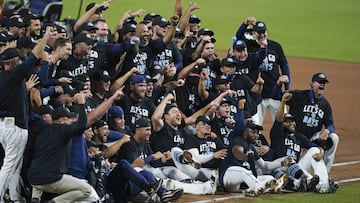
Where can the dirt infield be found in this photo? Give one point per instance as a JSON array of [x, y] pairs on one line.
[[343, 95]]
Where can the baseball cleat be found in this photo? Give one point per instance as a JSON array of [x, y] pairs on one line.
[[171, 195], [280, 183], [313, 183], [153, 188]]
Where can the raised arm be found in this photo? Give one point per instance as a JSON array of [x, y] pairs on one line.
[[156, 118], [280, 113], [87, 15], [119, 83]]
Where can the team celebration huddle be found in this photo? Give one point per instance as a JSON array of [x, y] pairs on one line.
[[148, 111]]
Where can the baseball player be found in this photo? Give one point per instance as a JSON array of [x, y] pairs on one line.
[[204, 149], [14, 114], [313, 112], [239, 166], [286, 141]]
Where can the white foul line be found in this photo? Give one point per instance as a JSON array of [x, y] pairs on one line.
[[346, 163]]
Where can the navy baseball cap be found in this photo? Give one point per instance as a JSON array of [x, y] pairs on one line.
[[205, 31], [44, 109], [239, 45], [9, 53], [221, 79], [204, 119], [160, 21], [25, 42], [150, 16], [320, 78], [194, 19], [116, 112], [129, 27], [102, 75], [225, 101], [260, 27], [288, 117], [136, 79], [99, 123], [83, 37], [142, 123], [252, 125], [16, 22], [87, 27], [228, 62], [62, 111]]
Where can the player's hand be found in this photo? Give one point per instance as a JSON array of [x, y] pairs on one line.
[[260, 80], [221, 154], [193, 6], [262, 150], [139, 162], [125, 138], [282, 79], [263, 42], [79, 98], [230, 121], [118, 94], [318, 156], [241, 103], [174, 20], [157, 155], [286, 96], [324, 134], [250, 20], [287, 161], [65, 80], [32, 81]]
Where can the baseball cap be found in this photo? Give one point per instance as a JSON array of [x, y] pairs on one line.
[[9, 53], [83, 37], [225, 101], [320, 78], [205, 31], [116, 112], [194, 19], [142, 123], [16, 22], [288, 117], [92, 5], [62, 111], [204, 119], [25, 42], [150, 79], [160, 21], [128, 28], [259, 27], [88, 26], [99, 123], [44, 109], [239, 45], [228, 62], [252, 125], [220, 79], [150, 16], [68, 89], [179, 33], [135, 79], [102, 75]]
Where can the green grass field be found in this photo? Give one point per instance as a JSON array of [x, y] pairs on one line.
[[323, 29], [345, 194]]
